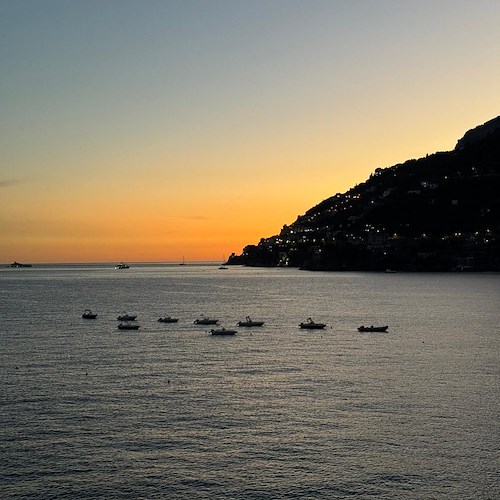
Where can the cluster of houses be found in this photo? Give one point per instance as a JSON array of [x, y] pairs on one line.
[[383, 222]]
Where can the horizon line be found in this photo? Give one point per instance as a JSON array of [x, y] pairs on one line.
[[176, 262]]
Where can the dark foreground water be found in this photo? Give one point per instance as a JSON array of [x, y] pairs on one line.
[[169, 411]]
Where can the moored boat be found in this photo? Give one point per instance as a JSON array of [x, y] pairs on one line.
[[88, 314], [168, 319], [126, 317], [250, 322], [311, 325], [372, 328], [206, 321], [223, 331], [223, 266], [128, 326]]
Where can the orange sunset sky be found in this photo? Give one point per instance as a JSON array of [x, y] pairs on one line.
[[152, 131]]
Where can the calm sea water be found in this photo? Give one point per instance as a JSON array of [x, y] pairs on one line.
[[169, 411]]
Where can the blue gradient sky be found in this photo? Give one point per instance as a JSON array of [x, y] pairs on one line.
[[148, 130]]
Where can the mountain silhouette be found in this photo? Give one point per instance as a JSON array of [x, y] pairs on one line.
[[438, 213]]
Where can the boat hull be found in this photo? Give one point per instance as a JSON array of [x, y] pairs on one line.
[[126, 317], [250, 323], [128, 327], [223, 332], [88, 314], [312, 326], [206, 321], [373, 328], [168, 320]]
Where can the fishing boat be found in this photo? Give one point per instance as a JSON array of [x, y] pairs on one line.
[[88, 314], [128, 326], [206, 321], [250, 322], [372, 328], [311, 325], [223, 331], [122, 265], [168, 319], [126, 317]]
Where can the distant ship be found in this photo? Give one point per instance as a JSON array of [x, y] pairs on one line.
[[18, 264], [122, 265], [222, 266]]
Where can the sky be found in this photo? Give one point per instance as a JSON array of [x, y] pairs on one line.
[[157, 130]]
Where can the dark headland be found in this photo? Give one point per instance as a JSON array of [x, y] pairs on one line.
[[438, 213]]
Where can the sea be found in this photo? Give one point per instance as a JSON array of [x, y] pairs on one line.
[[273, 412]]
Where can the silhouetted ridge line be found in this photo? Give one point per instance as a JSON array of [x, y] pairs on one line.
[[479, 133], [438, 213]]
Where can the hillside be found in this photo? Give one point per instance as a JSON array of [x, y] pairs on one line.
[[438, 213]]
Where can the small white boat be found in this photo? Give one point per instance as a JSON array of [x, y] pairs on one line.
[[168, 319], [126, 317], [311, 325], [122, 265], [250, 322], [206, 321], [223, 331], [88, 314]]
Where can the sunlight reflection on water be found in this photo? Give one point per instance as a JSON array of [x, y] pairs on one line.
[[274, 412]]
